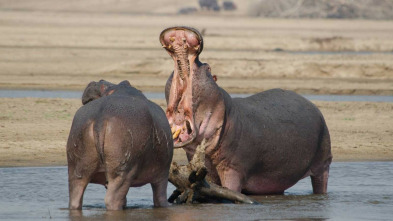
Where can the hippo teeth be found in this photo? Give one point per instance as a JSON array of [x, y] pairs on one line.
[[176, 134], [184, 45]]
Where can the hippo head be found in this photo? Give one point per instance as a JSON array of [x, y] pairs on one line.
[[195, 107], [95, 90]]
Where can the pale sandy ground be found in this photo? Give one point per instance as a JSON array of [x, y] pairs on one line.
[[34, 131], [66, 44], [55, 44]]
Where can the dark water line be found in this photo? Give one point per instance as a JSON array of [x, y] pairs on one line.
[[159, 95]]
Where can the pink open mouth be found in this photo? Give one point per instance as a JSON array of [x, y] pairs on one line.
[[183, 134], [184, 45]]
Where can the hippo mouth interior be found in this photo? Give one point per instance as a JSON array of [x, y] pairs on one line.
[[184, 134], [184, 45]]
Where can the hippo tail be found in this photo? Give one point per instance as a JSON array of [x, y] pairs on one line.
[[324, 142], [99, 137]]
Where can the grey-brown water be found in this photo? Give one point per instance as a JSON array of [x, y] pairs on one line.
[[357, 191], [160, 95]]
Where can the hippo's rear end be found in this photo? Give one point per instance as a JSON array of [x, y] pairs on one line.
[[287, 140], [119, 141]]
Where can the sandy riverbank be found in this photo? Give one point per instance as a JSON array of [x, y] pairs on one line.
[[65, 45], [54, 45], [34, 131]]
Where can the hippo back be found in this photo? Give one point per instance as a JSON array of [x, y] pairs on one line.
[[135, 126], [279, 135]]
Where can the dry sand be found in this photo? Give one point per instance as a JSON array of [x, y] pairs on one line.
[[55, 44], [34, 131], [58, 45]]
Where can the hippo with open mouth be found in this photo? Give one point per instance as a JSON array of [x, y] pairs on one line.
[[262, 144]]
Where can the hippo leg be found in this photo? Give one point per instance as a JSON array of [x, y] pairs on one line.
[[115, 197], [80, 172], [159, 193], [76, 190], [319, 183], [320, 167], [79, 176], [231, 179], [319, 177]]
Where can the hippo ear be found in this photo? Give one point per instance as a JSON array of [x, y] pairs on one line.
[[103, 88], [109, 92], [107, 88], [90, 93], [125, 83]]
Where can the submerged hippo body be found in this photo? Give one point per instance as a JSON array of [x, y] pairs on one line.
[[120, 140], [262, 144]]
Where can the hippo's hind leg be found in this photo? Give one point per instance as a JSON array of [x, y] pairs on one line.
[[76, 186], [118, 175], [321, 165], [319, 182], [159, 193], [83, 163], [118, 186], [79, 175]]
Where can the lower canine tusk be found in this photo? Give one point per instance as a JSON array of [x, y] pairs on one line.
[[176, 134]]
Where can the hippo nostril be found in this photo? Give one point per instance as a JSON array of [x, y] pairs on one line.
[[188, 126]]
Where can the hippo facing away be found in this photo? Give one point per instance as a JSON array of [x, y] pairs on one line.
[[119, 139], [262, 144]]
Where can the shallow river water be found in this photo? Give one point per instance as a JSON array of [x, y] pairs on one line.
[[357, 191], [160, 95]]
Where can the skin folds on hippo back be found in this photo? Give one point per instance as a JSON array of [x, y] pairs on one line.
[[275, 139], [138, 122], [120, 140]]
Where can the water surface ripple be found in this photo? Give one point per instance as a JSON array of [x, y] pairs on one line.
[[357, 191]]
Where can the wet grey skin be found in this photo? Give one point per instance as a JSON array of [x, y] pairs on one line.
[[119, 139], [262, 144]]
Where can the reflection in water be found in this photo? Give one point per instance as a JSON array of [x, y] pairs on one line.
[[356, 191]]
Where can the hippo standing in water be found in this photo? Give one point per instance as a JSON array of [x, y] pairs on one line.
[[262, 144], [120, 140]]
